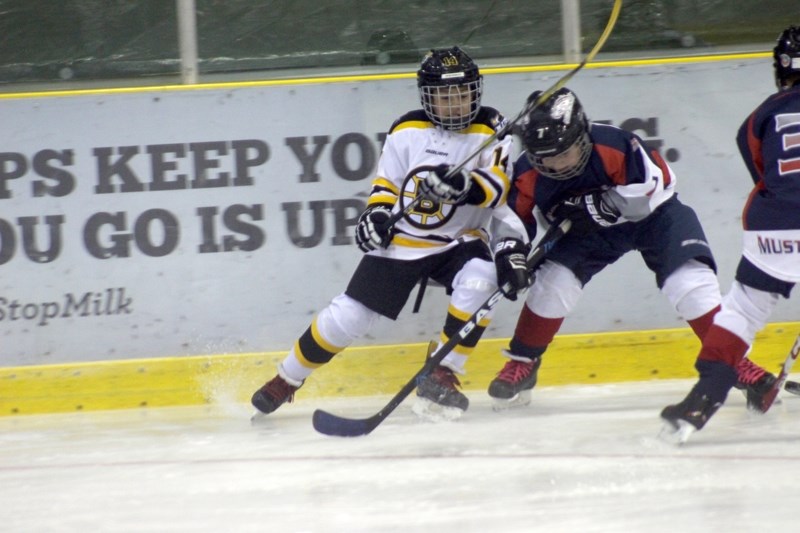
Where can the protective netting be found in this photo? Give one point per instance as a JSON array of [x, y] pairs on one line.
[[103, 39]]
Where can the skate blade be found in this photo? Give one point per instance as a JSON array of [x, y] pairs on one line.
[[521, 399], [258, 418], [676, 435], [433, 412]]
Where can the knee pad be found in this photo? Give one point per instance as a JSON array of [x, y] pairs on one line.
[[693, 289], [344, 320], [473, 285], [555, 291]]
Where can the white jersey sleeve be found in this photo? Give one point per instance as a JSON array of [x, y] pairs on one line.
[[635, 201], [414, 146], [505, 224]]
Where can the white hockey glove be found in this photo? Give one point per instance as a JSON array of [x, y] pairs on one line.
[[370, 231], [511, 262], [588, 213], [450, 190]]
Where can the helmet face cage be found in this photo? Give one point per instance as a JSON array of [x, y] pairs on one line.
[[450, 88], [787, 57], [585, 150], [553, 128]]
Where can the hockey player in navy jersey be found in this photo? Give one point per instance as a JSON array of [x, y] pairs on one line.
[[769, 143], [444, 238], [620, 197]]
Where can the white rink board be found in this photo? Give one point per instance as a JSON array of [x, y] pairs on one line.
[[182, 222]]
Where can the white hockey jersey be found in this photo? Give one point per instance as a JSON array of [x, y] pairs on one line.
[[413, 147]]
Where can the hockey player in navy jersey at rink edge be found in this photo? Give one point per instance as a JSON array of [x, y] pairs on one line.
[[444, 238], [769, 143], [620, 197]]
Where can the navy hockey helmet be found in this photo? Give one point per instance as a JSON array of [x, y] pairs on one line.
[[450, 88], [787, 57], [553, 128]]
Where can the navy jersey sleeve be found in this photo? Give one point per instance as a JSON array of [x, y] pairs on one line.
[[521, 195], [769, 143]]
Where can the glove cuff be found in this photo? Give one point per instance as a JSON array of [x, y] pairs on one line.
[[509, 245]]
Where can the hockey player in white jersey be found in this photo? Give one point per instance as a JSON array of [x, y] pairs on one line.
[[444, 237]]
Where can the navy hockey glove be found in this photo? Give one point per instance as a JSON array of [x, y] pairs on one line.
[[511, 262], [370, 231], [588, 213], [438, 187]]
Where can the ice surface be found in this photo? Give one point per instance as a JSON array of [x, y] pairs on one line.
[[579, 458]]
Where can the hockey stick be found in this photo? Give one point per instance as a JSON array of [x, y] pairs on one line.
[[769, 398], [530, 106], [334, 425], [792, 387]]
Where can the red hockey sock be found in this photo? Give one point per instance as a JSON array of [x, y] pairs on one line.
[[701, 324], [535, 330], [719, 344]]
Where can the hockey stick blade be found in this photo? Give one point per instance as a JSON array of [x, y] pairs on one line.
[[335, 426], [792, 387], [769, 398], [339, 426], [505, 130]]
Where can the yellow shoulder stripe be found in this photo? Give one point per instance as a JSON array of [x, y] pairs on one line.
[[417, 124]]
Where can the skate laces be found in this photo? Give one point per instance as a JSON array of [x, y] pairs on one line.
[[445, 377], [515, 371], [748, 372], [280, 390]]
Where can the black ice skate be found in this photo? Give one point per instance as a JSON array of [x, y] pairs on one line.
[[690, 415], [438, 397], [513, 384], [756, 383], [274, 393]]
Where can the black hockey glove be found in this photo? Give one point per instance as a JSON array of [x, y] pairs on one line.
[[370, 233], [511, 262], [588, 213], [450, 190]]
